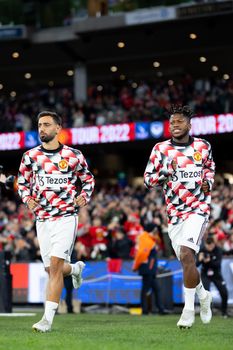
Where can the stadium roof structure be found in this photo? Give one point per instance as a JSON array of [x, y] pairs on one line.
[[48, 53]]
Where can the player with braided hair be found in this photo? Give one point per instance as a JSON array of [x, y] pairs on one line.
[[184, 167]]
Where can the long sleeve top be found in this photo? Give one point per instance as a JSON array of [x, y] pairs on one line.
[[182, 185], [50, 176]]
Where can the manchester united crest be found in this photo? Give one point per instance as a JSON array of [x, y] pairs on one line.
[[197, 156], [63, 165]]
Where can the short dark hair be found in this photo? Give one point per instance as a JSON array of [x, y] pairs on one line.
[[151, 227], [184, 110], [209, 240], [57, 119]]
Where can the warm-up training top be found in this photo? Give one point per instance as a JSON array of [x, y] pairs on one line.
[[51, 176], [182, 186]]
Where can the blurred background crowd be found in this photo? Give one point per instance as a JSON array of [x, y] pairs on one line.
[[118, 103], [110, 225]]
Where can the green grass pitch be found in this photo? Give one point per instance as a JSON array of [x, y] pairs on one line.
[[115, 332]]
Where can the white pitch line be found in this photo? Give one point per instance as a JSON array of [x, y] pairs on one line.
[[16, 314]]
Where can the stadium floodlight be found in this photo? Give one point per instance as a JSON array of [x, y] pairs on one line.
[[202, 59], [193, 36], [156, 64], [214, 68]]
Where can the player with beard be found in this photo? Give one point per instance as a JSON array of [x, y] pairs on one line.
[[184, 167], [47, 184]]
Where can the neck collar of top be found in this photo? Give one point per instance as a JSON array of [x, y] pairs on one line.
[[51, 150], [190, 141]]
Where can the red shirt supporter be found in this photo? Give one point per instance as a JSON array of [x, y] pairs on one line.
[[99, 240], [230, 216], [83, 244], [83, 236], [133, 228], [98, 235], [126, 99], [218, 231]]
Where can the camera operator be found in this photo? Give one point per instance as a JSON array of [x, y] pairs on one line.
[[210, 258], [8, 181]]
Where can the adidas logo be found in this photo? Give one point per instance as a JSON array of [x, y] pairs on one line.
[[66, 252], [190, 240]]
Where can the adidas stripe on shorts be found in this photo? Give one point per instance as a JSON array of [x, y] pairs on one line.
[[57, 237], [188, 233]]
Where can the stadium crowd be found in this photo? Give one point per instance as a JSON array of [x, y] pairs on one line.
[[125, 102], [109, 226]]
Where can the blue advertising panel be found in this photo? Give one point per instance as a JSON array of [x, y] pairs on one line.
[[101, 286], [31, 139], [156, 130], [9, 32], [142, 131]]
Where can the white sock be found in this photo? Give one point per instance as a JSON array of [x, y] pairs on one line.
[[189, 298], [200, 290], [74, 269], [50, 310]]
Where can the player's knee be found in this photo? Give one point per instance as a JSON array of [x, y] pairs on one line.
[[56, 266], [186, 256]]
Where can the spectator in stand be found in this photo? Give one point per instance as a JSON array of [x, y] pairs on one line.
[[83, 243], [99, 241], [27, 248], [210, 258], [24, 214], [119, 245], [145, 262], [216, 207], [11, 209], [228, 245], [217, 231], [132, 226], [3, 219], [118, 104]]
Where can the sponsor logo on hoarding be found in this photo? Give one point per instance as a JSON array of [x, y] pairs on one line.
[[11, 140], [212, 124], [31, 139], [85, 136], [117, 132], [156, 129], [207, 125], [142, 131], [103, 134]]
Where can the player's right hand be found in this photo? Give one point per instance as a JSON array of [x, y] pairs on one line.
[[80, 201], [33, 204]]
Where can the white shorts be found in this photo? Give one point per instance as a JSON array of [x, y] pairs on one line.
[[57, 238], [188, 233]]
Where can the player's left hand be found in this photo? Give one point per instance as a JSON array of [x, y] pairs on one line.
[[205, 186], [80, 201], [174, 164]]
